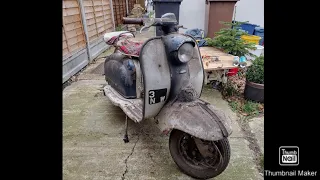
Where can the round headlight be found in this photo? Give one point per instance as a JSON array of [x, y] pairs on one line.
[[185, 52]]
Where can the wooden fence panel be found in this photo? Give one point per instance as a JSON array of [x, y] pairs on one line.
[[131, 3], [120, 11], [98, 18], [83, 20], [73, 37]]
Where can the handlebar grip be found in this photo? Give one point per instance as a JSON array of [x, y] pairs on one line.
[[132, 20]]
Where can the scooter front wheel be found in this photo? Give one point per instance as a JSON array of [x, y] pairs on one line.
[[187, 156]]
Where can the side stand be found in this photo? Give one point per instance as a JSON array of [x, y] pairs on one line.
[[125, 138]]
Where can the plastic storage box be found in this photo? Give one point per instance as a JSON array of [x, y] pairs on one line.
[[259, 31], [251, 38], [249, 28]]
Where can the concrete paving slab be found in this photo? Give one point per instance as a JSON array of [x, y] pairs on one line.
[[257, 128], [215, 98], [93, 148]]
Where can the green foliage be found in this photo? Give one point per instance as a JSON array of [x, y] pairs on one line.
[[250, 107], [119, 27], [229, 40], [234, 105], [255, 72], [151, 14], [244, 107]]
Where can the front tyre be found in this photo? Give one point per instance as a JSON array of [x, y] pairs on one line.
[[186, 155]]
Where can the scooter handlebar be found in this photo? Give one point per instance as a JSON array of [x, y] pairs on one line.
[[133, 21], [155, 21]]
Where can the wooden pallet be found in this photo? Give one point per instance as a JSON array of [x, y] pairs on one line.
[[215, 59]]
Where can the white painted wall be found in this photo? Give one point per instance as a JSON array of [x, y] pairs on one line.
[[250, 10], [192, 13]]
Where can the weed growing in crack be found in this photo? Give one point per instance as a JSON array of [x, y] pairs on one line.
[[262, 161], [253, 144]]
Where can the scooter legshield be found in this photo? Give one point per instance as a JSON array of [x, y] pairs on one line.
[[156, 76]]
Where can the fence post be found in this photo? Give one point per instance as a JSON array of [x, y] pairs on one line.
[[84, 24], [112, 14], [127, 6]]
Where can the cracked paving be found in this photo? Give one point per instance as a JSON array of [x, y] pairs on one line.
[[126, 160]]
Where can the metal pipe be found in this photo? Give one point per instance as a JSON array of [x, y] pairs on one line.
[[84, 24], [127, 6], [114, 24]]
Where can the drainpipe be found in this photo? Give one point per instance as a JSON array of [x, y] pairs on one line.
[[112, 14], [127, 6]]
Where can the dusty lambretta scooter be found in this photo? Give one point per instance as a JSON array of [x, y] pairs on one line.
[[162, 79]]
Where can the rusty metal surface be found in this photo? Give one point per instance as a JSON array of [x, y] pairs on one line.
[[131, 107], [197, 118]]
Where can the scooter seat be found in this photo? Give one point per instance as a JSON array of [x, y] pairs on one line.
[[130, 48], [111, 37]]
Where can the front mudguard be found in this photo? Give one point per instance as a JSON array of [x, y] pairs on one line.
[[197, 118]]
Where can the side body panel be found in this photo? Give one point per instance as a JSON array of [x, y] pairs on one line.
[[120, 74], [156, 76]]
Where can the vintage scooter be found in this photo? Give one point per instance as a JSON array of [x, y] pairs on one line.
[[162, 79]]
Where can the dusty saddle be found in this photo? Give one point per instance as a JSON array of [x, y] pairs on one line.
[[120, 40]]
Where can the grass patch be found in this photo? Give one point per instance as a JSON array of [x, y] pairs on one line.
[[251, 108], [234, 105], [245, 107], [262, 161], [119, 27]]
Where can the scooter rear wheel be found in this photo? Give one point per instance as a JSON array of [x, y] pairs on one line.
[[188, 158]]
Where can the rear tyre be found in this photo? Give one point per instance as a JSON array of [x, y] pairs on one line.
[[188, 158]]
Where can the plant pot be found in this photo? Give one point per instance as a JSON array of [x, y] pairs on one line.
[[254, 92]]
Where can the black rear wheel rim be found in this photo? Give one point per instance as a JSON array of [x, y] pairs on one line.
[[191, 155]]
